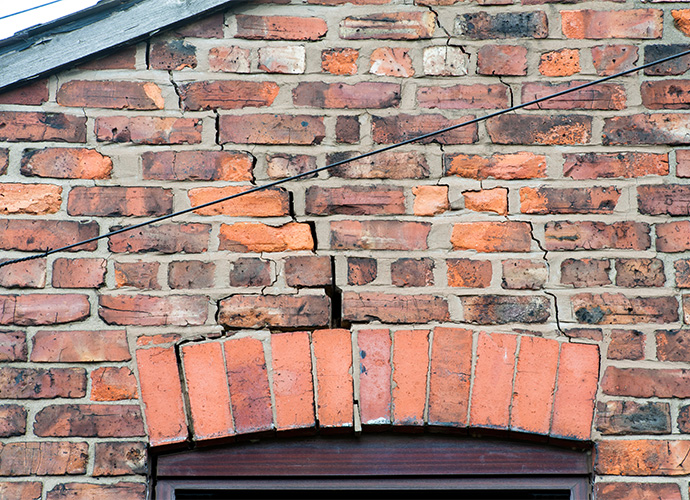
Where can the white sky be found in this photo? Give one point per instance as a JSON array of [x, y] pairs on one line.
[[11, 25]]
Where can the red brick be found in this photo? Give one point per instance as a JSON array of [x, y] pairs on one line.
[[110, 94], [607, 96], [533, 129], [389, 26], [595, 334], [450, 375], [666, 94], [484, 26], [609, 308], [412, 272], [12, 421], [469, 273], [4, 160], [673, 236], [282, 311], [43, 309], [280, 28], [97, 420], [684, 419], [74, 346], [149, 130], [573, 405], [250, 271], [30, 94], [197, 166], [503, 309], [160, 339], [120, 458], [379, 235], [493, 380], [520, 274], [374, 95], [273, 202], [229, 59], [111, 383], [164, 238], [430, 200], [410, 366], [682, 274], [271, 129], [401, 127], [361, 270], [374, 376], [210, 410], [79, 273], [626, 344], [34, 126], [308, 271], [24, 490], [683, 162], [658, 457], [502, 60], [66, 163], [347, 129], [334, 386], [390, 165], [492, 236], [43, 458], [142, 275], [117, 491], [39, 383], [388, 61], [33, 199], [611, 59], [535, 381], [29, 274], [487, 200], [646, 382], [209, 26], [612, 165], [676, 66], [633, 273], [666, 199], [280, 165], [293, 390], [146, 310], [585, 272], [161, 395], [390, 308], [289, 60], [630, 417], [636, 491], [599, 24], [125, 58], [564, 62], [588, 235], [191, 274], [13, 346], [655, 128], [248, 379], [477, 96], [173, 55], [672, 345], [355, 200], [257, 237], [340, 61], [523, 165], [227, 94]]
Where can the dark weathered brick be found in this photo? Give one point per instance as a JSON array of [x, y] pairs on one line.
[[502, 309]]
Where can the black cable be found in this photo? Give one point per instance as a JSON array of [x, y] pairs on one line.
[[348, 160], [29, 9]]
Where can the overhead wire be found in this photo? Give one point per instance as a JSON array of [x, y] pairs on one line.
[[35, 7], [347, 160]]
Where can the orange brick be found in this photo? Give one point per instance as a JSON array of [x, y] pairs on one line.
[[493, 380], [248, 379], [410, 366], [573, 406], [161, 393], [112, 383], [487, 200], [207, 389], [292, 382], [564, 62], [266, 203], [333, 354], [34, 199], [681, 19], [76, 346], [492, 236], [339, 61], [601, 24], [430, 200], [641, 457], [257, 237], [534, 384], [374, 376], [451, 371]]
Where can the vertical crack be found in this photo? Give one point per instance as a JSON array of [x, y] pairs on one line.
[[510, 92], [546, 261], [177, 89]]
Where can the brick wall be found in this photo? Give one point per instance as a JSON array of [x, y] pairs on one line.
[[525, 274]]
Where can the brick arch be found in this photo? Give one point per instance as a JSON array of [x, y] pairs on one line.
[[447, 377]]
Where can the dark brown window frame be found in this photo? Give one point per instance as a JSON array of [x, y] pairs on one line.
[[376, 461]]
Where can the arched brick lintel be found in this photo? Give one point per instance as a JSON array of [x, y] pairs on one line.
[[300, 380]]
